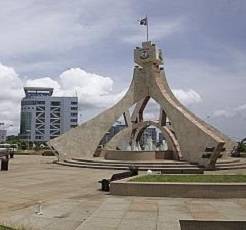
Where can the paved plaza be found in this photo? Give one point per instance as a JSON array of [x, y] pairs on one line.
[[71, 200]]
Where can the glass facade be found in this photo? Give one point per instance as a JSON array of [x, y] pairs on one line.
[[26, 119]]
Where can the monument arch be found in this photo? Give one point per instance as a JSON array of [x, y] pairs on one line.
[[199, 142]]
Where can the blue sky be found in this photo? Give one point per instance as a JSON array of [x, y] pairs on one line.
[[204, 43]]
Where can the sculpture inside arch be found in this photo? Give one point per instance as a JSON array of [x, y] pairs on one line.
[[195, 140]]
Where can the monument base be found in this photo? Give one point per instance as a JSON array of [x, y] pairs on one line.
[[136, 155]]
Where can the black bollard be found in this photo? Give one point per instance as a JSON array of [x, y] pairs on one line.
[[5, 164], [105, 185], [134, 170]]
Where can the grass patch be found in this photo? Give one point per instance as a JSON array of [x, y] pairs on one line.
[[192, 178], [2, 227]]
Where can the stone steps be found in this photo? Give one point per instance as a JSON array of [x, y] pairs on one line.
[[231, 164], [158, 165], [138, 164], [156, 162], [142, 166], [230, 167], [190, 169], [227, 161]]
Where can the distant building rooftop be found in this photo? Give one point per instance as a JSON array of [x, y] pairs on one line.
[[38, 91]]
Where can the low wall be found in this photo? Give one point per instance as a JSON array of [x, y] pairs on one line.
[[182, 190], [135, 155]]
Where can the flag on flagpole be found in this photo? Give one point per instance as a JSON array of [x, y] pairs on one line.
[[144, 21]]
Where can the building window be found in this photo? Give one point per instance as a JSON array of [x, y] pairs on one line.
[[55, 103], [41, 114], [73, 120], [74, 108], [40, 102], [74, 114], [40, 108], [54, 126], [73, 126], [55, 115], [55, 133], [39, 126], [56, 109], [28, 103], [74, 102]]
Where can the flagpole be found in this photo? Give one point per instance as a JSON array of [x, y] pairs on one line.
[[144, 22], [147, 28]]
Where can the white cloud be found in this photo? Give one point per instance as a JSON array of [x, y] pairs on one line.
[[92, 89], [43, 82], [240, 108], [223, 113], [10, 83], [187, 97], [10, 94], [232, 112]]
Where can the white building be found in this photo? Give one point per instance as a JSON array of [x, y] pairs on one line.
[[3, 134], [44, 117]]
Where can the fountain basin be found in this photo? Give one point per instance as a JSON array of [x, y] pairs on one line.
[[136, 155]]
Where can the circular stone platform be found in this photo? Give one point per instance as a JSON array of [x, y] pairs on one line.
[[154, 165]]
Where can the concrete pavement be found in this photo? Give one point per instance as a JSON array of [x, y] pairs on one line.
[[71, 201]]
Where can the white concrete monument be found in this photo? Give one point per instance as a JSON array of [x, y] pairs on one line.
[[189, 137]]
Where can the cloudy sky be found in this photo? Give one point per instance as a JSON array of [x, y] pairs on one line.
[[87, 47]]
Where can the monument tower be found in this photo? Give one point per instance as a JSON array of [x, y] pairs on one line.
[[189, 137]]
